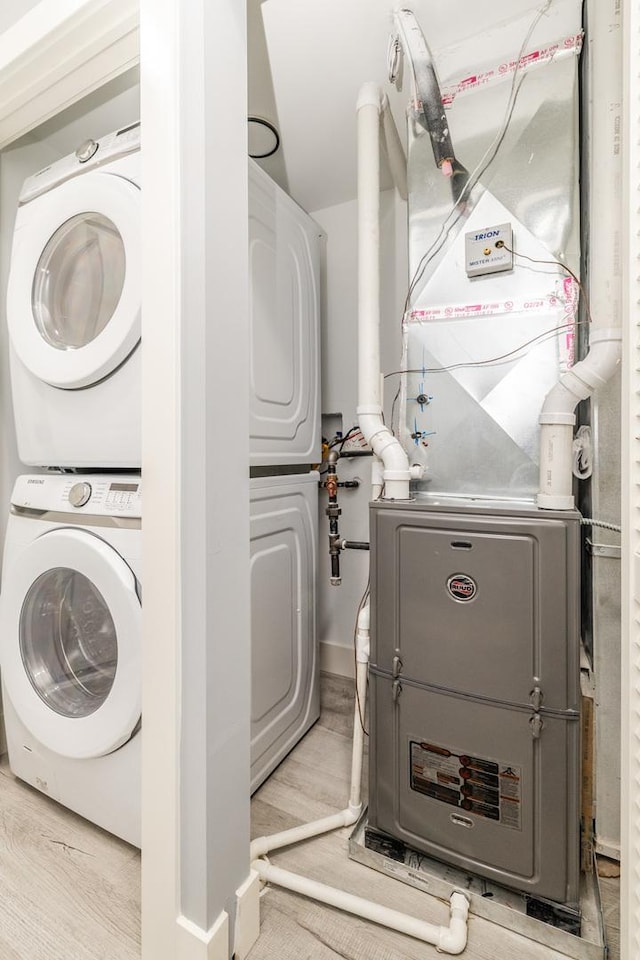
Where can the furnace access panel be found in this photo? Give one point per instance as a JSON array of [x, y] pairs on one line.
[[475, 689]]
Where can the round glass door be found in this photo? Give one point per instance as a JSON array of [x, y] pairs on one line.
[[73, 298], [78, 281], [68, 642]]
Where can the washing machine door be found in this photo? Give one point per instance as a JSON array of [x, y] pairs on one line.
[[70, 618], [73, 300]]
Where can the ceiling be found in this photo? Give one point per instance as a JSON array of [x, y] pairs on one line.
[[308, 59]]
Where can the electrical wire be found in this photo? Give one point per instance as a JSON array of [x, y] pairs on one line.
[[590, 522], [486, 160], [458, 206], [353, 432], [540, 338], [556, 263]]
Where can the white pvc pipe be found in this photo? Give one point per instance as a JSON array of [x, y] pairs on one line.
[[450, 939], [362, 667], [557, 417], [378, 436], [348, 816], [263, 845], [394, 150], [605, 213]]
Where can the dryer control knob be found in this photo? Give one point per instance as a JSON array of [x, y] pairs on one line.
[[79, 494], [86, 150]]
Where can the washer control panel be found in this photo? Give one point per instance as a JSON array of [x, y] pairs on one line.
[[113, 495], [89, 155]]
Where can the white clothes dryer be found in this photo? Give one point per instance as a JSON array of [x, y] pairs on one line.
[[73, 308], [285, 692], [70, 643]]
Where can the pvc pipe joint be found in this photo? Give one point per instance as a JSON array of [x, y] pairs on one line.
[[557, 416]]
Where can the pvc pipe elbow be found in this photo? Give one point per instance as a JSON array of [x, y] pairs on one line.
[[582, 380], [258, 848], [453, 939]]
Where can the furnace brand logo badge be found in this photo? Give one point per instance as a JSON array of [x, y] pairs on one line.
[[461, 587]]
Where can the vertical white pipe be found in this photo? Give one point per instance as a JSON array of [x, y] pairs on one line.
[[362, 666], [450, 939], [369, 246], [378, 436], [605, 289], [630, 483]]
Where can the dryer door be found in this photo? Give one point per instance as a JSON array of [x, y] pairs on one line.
[[73, 301], [70, 618]]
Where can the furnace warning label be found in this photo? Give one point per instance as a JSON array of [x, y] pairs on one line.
[[486, 788]]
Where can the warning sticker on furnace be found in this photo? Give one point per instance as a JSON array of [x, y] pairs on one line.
[[486, 788]]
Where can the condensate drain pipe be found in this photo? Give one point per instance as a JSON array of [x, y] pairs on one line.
[[396, 473], [557, 418], [448, 939]]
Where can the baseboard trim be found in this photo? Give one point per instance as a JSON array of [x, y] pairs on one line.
[[194, 943], [247, 916], [337, 659]]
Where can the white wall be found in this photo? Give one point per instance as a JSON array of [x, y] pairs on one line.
[[11, 12], [337, 605]]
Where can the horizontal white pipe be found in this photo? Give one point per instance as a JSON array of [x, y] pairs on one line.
[[378, 436], [557, 417], [262, 845], [451, 939], [347, 817]]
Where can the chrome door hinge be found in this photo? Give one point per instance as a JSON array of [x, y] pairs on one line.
[[537, 723], [536, 697]]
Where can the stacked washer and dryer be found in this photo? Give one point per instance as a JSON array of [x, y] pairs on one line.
[[70, 603]]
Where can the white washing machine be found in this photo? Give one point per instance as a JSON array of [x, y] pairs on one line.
[[285, 699], [70, 643], [73, 308]]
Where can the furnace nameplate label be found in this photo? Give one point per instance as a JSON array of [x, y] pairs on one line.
[[478, 785]]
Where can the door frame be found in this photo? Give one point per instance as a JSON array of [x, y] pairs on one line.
[[195, 874]]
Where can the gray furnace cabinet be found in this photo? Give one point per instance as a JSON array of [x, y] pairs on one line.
[[475, 688]]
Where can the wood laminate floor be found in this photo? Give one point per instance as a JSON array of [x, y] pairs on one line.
[[69, 891], [314, 782]]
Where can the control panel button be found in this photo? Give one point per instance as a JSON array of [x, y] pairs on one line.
[[79, 494], [86, 150]]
